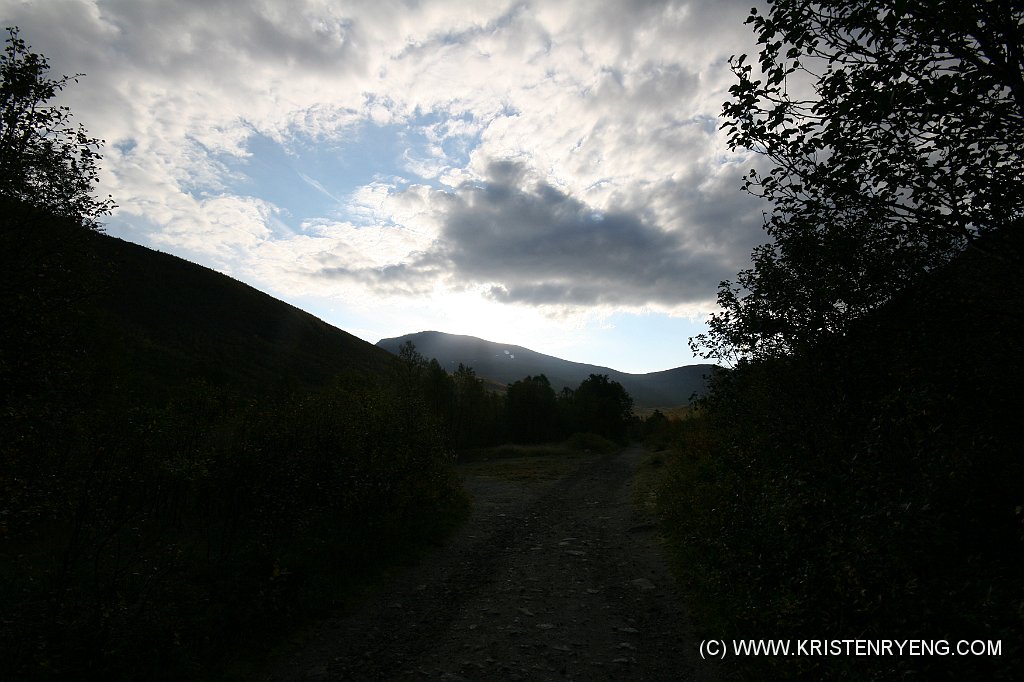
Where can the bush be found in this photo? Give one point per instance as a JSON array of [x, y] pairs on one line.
[[870, 488], [153, 541]]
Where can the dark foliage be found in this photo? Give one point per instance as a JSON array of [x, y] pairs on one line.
[[532, 411], [172, 492], [529, 412], [603, 407], [465, 413], [154, 542], [873, 487], [475, 421], [45, 162], [858, 474], [895, 136], [597, 406]]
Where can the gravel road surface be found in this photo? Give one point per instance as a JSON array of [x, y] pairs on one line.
[[556, 577]]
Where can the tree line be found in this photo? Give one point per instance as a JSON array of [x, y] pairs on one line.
[[529, 411]]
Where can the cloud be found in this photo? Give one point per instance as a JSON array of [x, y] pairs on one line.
[[524, 241], [568, 151]]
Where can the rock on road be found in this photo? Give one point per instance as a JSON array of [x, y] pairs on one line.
[[554, 582]]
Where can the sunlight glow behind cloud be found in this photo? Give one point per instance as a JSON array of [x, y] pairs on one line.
[[521, 171]]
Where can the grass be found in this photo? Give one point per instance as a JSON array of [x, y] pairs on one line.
[[537, 464], [673, 412], [650, 477], [534, 469]]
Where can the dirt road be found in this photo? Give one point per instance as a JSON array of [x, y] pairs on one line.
[[551, 580]]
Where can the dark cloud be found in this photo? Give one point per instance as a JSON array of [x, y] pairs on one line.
[[535, 244], [720, 217], [402, 279]]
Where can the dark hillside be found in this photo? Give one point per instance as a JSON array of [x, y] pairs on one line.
[[189, 469], [181, 321]]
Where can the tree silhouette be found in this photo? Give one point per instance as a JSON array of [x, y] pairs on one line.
[[474, 422], [532, 410], [895, 134], [45, 162], [603, 407]]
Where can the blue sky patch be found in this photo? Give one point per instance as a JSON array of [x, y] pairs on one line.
[[310, 179]]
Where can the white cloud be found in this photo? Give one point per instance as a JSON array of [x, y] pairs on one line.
[[606, 106]]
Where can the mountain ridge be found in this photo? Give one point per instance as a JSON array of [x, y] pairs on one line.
[[166, 322], [506, 363], [169, 321]]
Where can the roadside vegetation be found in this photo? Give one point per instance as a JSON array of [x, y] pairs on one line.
[[857, 474], [534, 464]]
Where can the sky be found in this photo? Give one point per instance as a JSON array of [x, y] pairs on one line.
[[549, 174]]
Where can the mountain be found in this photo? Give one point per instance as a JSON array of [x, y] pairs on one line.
[[201, 321], [149, 323], [507, 363], [152, 323]]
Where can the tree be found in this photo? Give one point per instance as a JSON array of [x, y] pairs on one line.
[[895, 134], [410, 368], [603, 407], [45, 162], [532, 410], [439, 395], [473, 422]]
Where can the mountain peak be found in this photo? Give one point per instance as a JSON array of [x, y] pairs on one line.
[[507, 363]]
